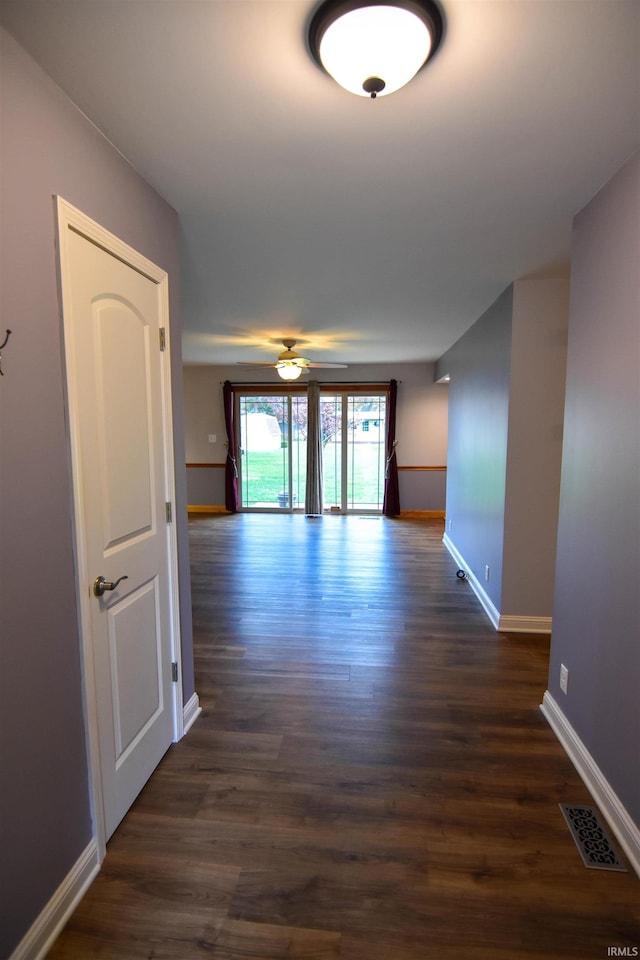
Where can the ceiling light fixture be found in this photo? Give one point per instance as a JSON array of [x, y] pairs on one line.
[[374, 47], [288, 369]]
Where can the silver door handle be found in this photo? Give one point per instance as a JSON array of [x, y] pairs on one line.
[[100, 585]]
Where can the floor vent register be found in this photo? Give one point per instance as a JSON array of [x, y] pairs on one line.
[[592, 840]]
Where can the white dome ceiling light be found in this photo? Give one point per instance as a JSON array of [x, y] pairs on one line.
[[374, 47]]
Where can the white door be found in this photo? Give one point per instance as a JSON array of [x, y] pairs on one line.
[[114, 321]]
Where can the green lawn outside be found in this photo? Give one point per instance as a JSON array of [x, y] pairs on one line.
[[264, 476]]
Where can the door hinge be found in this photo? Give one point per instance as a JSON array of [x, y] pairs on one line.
[[163, 338], [174, 672], [168, 512]]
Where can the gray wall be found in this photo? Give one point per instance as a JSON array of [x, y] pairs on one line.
[[534, 451], [479, 364], [506, 399], [421, 426], [596, 616], [49, 148]]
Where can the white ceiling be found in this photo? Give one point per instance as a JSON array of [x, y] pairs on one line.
[[371, 230]]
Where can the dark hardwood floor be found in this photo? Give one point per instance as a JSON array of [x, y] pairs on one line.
[[371, 777]]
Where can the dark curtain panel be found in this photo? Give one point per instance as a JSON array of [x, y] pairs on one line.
[[231, 465], [391, 502], [313, 495]]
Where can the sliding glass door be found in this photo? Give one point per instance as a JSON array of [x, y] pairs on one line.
[[273, 451], [272, 441], [353, 451]]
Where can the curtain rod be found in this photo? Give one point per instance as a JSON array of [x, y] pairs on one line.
[[298, 386]]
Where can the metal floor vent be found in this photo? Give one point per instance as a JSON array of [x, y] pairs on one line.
[[592, 840]]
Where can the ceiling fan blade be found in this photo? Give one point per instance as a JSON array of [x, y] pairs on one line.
[[312, 363]]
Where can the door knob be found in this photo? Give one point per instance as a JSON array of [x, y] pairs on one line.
[[100, 585]]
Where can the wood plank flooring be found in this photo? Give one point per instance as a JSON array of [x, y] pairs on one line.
[[371, 777]]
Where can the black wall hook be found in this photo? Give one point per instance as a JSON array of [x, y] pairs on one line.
[[2, 346]]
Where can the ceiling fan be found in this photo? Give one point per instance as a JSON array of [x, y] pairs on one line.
[[289, 364]]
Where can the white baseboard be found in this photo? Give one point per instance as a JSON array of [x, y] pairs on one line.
[[626, 831], [525, 624], [39, 938], [191, 712], [508, 624], [476, 586]]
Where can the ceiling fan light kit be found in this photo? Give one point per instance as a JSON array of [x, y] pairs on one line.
[[374, 48], [288, 369], [290, 364]]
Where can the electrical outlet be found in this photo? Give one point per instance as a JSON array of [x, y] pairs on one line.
[[564, 678], [486, 571], [212, 438]]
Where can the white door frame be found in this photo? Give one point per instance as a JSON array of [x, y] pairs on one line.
[[71, 219]]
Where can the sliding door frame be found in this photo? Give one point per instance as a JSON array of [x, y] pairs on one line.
[[285, 392], [346, 392]]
